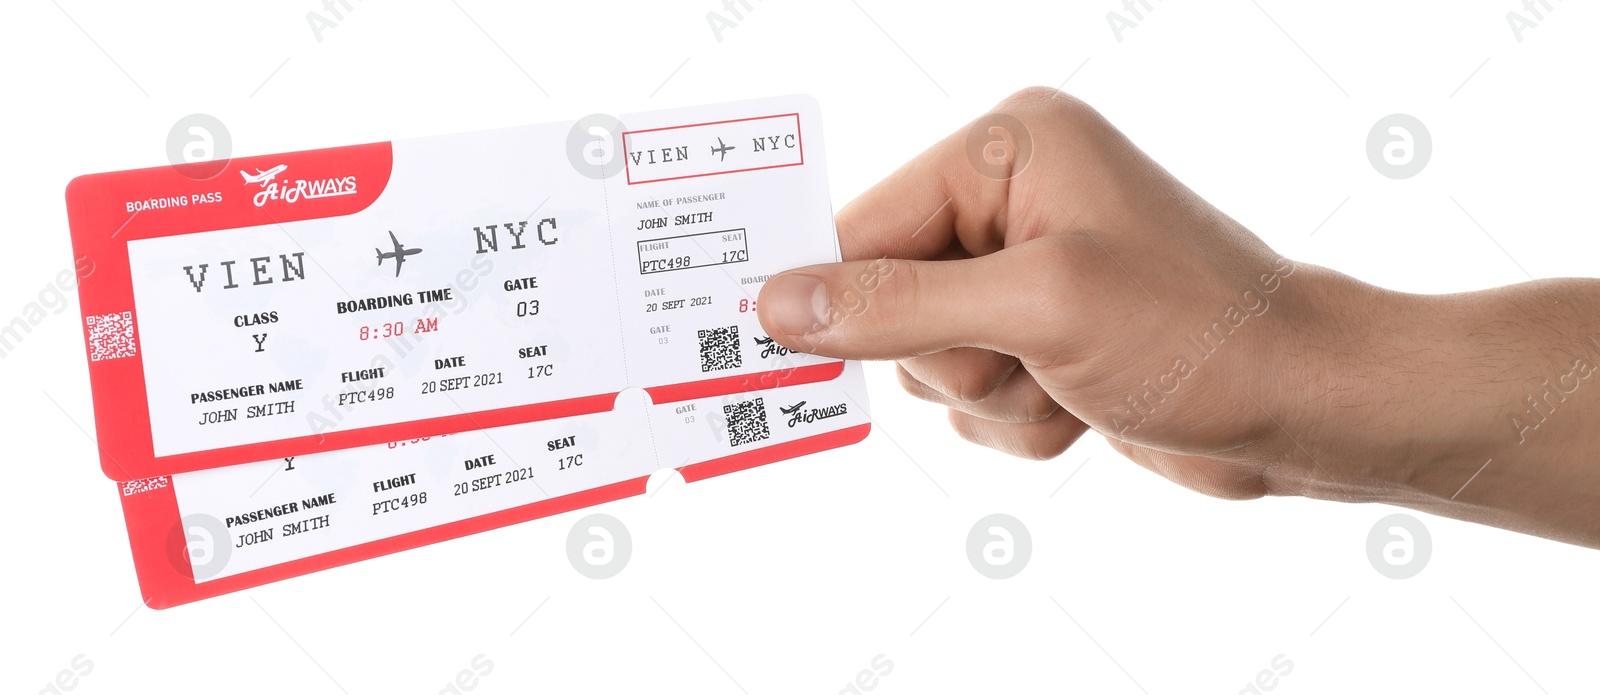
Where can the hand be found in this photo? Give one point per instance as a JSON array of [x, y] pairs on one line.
[[1043, 277]]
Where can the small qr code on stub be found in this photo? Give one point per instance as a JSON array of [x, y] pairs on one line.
[[747, 422], [111, 336], [719, 348]]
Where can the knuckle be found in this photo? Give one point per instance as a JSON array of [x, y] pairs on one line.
[[1040, 105], [972, 388], [1056, 270], [1039, 407], [911, 384], [969, 390], [966, 375], [1036, 93], [1039, 97]]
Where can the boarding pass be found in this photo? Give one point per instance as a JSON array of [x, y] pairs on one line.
[[284, 305], [204, 533]]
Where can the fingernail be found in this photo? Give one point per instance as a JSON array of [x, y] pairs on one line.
[[795, 304]]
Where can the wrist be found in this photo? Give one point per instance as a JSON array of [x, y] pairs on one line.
[[1390, 393]]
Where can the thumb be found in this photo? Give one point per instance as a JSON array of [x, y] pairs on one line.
[[893, 309]]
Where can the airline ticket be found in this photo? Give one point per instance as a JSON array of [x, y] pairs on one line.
[[356, 296], [205, 533]]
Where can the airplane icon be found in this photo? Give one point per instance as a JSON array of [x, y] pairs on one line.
[[398, 254], [791, 409], [722, 150], [263, 177]]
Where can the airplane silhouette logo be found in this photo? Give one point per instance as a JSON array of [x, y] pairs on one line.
[[398, 254], [722, 150], [791, 409], [263, 177]]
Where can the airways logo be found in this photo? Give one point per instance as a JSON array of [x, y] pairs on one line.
[[798, 414], [302, 188]]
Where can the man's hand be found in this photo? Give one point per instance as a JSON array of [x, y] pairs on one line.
[[1040, 276]]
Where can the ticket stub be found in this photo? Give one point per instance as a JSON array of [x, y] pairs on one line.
[[204, 533], [290, 304]]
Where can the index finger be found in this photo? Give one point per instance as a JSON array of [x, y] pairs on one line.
[[915, 212], [955, 192]]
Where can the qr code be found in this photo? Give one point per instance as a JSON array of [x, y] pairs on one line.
[[111, 336], [747, 422], [719, 348], [134, 487]]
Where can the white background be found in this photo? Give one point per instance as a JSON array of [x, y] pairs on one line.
[[791, 578]]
